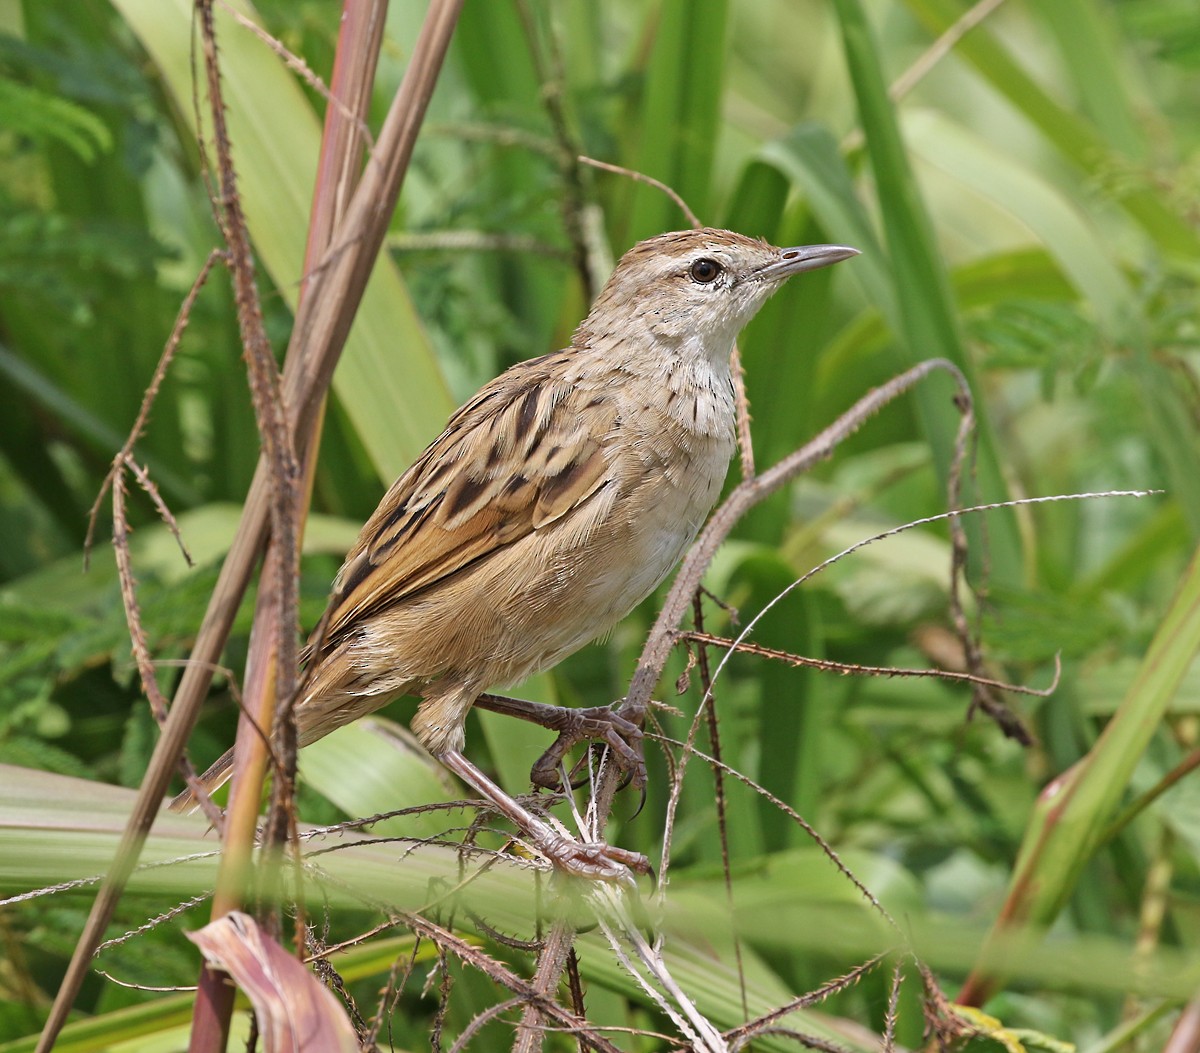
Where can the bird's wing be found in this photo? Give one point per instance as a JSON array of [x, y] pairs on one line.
[[527, 450]]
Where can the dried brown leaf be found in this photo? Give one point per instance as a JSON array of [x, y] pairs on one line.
[[294, 1010]]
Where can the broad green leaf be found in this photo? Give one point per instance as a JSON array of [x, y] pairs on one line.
[[1086, 35], [1066, 234], [1063, 129], [372, 766]]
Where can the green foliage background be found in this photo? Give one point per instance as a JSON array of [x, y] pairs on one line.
[[1027, 210]]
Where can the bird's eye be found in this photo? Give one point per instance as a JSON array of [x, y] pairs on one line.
[[705, 271]]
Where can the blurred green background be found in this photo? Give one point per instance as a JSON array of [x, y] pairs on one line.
[[1026, 206]]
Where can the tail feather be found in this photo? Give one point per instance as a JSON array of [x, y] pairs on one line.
[[337, 693], [214, 778]]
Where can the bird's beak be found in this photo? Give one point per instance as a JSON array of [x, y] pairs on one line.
[[805, 258]]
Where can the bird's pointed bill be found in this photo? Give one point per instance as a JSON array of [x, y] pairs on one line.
[[806, 258]]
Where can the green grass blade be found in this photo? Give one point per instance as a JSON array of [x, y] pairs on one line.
[[1068, 233], [1097, 66], [927, 313], [1073, 810], [493, 52], [1065, 130], [680, 113]]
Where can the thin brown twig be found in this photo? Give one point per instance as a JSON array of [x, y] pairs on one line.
[[480, 1019], [853, 669], [641, 177], [504, 939], [575, 986], [927, 60], [743, 1033], [942, 1020], [714, 739], [215, 667], [392, 990], [95, 879], [551, 962], [318, 337], [443, 1003], [742, 417], [133, 613], [125, 455], [892, 1014], [173, 989], [154, 922], [370, 820], [331, 978], [133, 620], [326, 950], [141, 474], [982, 697], [825, 847], [941, 47]]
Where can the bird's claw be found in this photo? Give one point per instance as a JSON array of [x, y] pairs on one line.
[[594, 859], [597, 724]]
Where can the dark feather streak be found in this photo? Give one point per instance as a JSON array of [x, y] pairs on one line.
[[463, 494]]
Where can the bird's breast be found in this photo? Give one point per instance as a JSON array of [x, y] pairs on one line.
[[679, 464], [667, 465], [572, 581]]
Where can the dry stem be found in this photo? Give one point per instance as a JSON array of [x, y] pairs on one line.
[[318, 337]]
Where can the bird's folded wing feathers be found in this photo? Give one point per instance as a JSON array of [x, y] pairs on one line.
[[461, 502]]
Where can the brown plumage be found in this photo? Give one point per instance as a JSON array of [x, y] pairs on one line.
[[555, 500]]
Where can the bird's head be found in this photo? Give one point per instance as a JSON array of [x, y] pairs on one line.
[[696, 287]]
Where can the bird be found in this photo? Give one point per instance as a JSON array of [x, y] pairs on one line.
[[556, 499]]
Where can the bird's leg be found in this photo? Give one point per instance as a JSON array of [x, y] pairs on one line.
[[584, 859], [617, 727]]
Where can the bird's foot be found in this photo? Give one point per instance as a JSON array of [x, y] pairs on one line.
[[597, 724], [588, 859], [617, 726], [593, 859]]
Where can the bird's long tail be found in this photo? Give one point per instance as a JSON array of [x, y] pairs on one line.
[[334, 695], [219, 771], [214, 778]]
